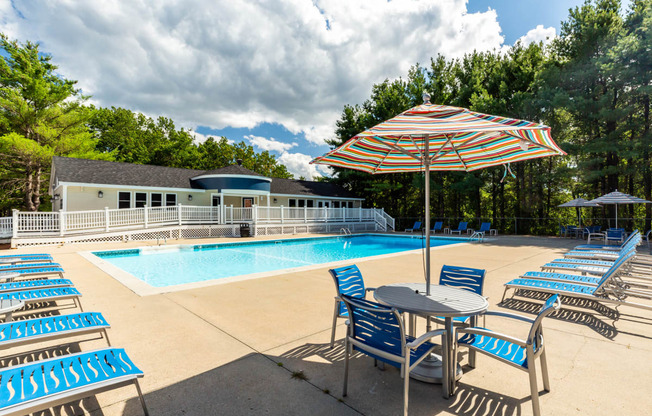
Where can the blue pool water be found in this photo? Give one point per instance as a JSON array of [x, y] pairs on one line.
[[189, 264]]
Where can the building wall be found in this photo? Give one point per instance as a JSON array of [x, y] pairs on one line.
[[278, 200]]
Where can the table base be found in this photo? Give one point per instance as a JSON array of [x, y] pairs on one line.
[[429, 370]]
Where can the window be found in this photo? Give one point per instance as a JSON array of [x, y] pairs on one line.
[[215, 201], [156, 200], [336, 204], [320, 204], [310, 203], [170, 200], [302, 203], [327, 204], [124, 200], [247, 202], [350, 204], [141, 199], [292, 202]]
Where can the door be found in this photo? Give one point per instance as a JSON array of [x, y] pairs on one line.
[[247, 202]]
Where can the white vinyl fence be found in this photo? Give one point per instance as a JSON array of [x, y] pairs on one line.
[[44, 224]]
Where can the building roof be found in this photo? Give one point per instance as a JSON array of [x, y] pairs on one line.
[[101, 172]]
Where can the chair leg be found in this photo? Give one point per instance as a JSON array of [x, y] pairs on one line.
[[106, 336], [142, 399], [544, 371], [346, 364], [534, 390], [334, 323], [406, 384]]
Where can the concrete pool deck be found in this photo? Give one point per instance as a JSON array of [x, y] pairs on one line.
[[261, 346]]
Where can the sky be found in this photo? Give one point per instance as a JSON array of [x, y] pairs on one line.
[[275, 74]]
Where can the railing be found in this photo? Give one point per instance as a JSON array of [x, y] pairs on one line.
[[79, 222]]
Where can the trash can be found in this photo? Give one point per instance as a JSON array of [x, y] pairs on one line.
[[245, 231]]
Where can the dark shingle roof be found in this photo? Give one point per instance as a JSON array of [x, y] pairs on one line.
[[232, 170], [293, 187], [67, 169]]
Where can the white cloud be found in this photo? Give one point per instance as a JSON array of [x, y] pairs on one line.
[[269, 144], [219, 63], [538, 34], [299, 165]]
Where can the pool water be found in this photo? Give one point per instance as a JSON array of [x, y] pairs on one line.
[[188, 264]]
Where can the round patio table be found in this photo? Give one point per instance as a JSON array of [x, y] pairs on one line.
[[444, 301], [7, 306]]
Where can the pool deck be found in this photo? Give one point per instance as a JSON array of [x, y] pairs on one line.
[[261, 346]]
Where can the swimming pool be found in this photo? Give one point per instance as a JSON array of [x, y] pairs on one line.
[[163, 267]]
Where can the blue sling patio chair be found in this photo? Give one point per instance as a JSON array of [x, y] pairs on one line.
[[437, 226], [18, 333], [485, 227], [460, 227], [464, 278], [34, 284], [606, 290], [26, 258], [20, 268], [348, 281], [43, 271], [378, 331], [415, 227], [519, 353], [45, 295], [39, 385]]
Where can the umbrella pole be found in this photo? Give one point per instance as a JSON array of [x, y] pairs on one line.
[[616, 216], [426, 163]]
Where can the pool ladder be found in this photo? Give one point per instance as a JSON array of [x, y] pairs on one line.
[[345, 231]]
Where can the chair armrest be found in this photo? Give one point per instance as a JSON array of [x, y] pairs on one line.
[[497, 335], [510, 315], [425, 337]]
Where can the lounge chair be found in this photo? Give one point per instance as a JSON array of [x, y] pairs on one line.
[[464, 278], [518, 353], [485, 227], [45, 295], [348, 281], [437, 226], [604, 291], [22, 332], [378, 331], [27, 258], [34, 284], [19, 267], [606, 246], [415, 227], [605, 254], [33, 271], [461, 227], [39, 385]]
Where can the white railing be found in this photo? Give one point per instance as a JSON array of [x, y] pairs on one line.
[[24, 224], [390, 220], [5, 226]]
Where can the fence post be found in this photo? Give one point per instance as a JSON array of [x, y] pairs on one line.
[[254, 213], [282, 216], [14, 223], [305, 214], [145, 216], [360, 212], [515, 226], [179, 213], [106, 219], [62, 223], [343, 214]]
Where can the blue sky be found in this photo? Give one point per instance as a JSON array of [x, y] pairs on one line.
[[274, 74]]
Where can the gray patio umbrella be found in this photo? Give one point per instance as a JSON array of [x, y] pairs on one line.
[[578, 203], [616, 198]]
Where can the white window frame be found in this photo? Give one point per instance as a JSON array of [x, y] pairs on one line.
[[176, 200], [301, 203], [296, 204], [146, 199], [131, 199], [151, 199]]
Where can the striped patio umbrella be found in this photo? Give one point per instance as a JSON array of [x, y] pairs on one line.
[[437, 137], [616, 198], [578, 203]]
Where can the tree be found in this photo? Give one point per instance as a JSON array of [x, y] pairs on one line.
[[40, 116]]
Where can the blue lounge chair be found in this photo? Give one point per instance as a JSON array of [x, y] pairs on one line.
[[606, 247], [437, 226], [464, 278], [39, 385], [32, 271], [378, 331], [22, 332], [348, 281], [28, 258], [415, 227], [18, 267], [485, 227], [461, 227], [34, 284], [518, 353], [604, 291], [45, 295], [602, 254]]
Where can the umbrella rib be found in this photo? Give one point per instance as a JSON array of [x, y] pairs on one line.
[[439, 153], [391, 146], [530, 141], [385, 157], [459, 157]]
